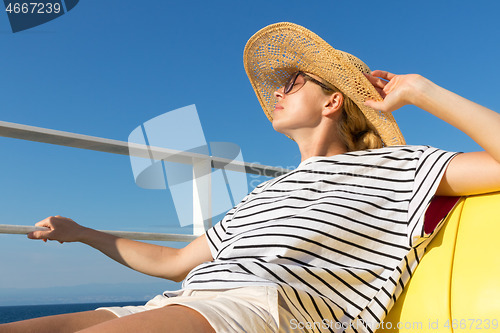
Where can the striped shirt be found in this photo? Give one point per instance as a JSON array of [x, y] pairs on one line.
[[339, 236]]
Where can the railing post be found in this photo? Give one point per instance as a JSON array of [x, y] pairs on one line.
[[202, 195]]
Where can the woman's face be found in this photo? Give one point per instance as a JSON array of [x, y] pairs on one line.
[[300, 111]]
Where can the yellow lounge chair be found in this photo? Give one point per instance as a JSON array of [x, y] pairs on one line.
[[456, 286]]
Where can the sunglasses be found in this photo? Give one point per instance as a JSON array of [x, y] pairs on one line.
[[291, 85]]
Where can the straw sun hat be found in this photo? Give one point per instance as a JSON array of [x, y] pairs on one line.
[[278, 50]]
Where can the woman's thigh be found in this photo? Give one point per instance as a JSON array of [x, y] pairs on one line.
[[69, 322], [172, 319]]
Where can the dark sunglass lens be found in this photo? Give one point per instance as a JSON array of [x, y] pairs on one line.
[[290, 82]]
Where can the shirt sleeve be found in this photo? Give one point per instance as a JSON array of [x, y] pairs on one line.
[[431, 166], [217, 234]]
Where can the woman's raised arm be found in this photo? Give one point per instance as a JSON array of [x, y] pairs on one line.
[[155, 260], [468, 173]]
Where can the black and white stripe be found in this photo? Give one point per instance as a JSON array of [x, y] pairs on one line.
[[339, 236]]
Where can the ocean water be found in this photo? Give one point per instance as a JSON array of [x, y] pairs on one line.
[[22, 312]]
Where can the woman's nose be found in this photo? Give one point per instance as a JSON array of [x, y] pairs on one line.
[[279, 93]]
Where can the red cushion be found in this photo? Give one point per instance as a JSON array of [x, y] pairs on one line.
[[438, 209]]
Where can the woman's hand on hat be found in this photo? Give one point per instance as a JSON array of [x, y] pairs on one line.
[[59, 228], [396, 90]]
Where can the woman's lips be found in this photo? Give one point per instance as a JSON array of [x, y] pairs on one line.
[[278, 107]]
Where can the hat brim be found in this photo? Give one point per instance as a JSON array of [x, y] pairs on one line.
[[278, 50]]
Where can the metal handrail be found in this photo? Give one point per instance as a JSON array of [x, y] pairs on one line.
[[151, 236], [68, 139]]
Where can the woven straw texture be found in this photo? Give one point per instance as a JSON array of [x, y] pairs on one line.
[[278, 50]]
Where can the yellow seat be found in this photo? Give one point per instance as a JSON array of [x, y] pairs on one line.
[[456, 286]]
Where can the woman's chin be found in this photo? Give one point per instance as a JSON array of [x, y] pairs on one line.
[[278, 128], [282, 130]]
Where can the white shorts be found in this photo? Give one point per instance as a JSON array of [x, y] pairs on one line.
[[246, 309]]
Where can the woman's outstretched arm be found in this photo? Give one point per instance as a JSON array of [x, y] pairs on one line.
[[155, 260], [468, 173]]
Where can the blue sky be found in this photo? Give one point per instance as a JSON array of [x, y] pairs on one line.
[[108, 66]]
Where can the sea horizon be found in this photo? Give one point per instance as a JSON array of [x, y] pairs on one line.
[[91, 293], [11, 313]]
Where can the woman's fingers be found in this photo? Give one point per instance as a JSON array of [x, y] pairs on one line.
[[379, 84], [383, 74], [381, 92], [374, 104], [39, 235], [44, 223], [60, 228], [375, 81], [49, 221], [397, 91], [390, 86], [45, 234]]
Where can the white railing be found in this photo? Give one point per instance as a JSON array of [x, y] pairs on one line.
[[202, 165]]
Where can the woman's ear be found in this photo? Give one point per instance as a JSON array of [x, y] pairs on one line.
[[333, 104]]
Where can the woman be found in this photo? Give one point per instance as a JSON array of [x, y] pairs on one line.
[[326, 247]]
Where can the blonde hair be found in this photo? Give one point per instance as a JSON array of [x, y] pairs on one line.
[[355, 131]]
